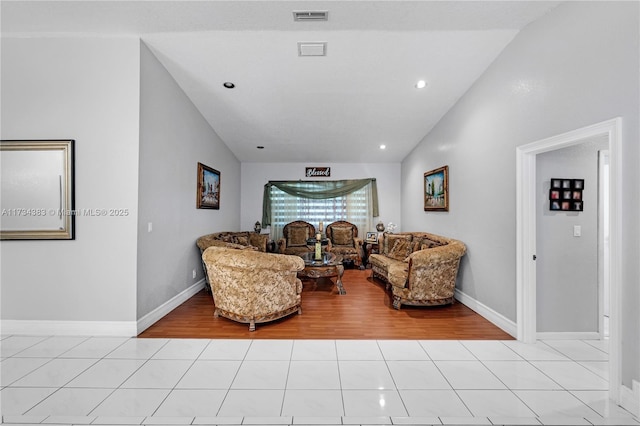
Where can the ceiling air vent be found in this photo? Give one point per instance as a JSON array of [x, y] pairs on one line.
[[312, 48], [310, 15]]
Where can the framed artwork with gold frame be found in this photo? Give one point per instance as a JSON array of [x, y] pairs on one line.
[[436, 189]]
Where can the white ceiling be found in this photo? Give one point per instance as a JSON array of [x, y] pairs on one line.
[[337, 108]]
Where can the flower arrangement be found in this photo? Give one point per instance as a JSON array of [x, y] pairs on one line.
[[391, 226]]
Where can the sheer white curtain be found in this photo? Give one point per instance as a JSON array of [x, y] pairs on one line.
[[355, 208]]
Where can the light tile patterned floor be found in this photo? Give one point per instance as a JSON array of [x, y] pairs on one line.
[[109, 381]]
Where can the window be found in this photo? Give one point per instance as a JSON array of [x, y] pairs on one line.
[[355, 207]]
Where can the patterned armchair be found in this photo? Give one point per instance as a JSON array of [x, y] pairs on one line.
[[294, 237], [235, 240], [343, 239], [253, 287]]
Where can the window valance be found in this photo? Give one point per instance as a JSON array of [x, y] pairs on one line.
[[318, 190]]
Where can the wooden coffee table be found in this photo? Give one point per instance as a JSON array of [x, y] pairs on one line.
[[328, 266]]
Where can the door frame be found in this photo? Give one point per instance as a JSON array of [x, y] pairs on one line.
[[526, 234], [603, 294]]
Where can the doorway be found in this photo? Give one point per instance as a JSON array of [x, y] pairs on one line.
[[568, 224], [526, 234]]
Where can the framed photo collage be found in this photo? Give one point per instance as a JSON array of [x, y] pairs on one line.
[[566, 195]]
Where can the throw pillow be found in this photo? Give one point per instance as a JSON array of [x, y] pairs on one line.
[[390, 240], [297, 236], [242, 240], [342, 235], [400, 250], [227, 238], [426, 243]]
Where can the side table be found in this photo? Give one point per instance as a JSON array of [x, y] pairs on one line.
[[369, 248]]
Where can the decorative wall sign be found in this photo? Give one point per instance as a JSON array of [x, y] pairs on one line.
[[317, 171], [566, 195]]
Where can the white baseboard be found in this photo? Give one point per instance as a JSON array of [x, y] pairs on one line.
[[568, 335], [97, 328], [630, 399], [68, 328], [487, 313], [152, 317]]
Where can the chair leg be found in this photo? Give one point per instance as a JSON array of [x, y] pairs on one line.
[[396, 302]]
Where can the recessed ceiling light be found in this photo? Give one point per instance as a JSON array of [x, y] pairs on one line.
[[228, 85], [260, 147], [421, 84], [383, 146]]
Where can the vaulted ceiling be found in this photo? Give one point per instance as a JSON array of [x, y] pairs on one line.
[[335, 108]]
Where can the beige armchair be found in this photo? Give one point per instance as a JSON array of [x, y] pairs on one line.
[[343, 239], [253, 287], [235, 240], [294, 237]]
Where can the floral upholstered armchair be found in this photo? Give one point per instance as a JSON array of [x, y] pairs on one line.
[[294, 237], [343, 238], [235, 240], [251, 286]]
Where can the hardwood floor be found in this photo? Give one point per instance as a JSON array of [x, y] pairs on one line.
[[365, 312]]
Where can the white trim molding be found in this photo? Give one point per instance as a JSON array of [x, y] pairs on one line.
[[526, 235], [152, 317], [68, 328], [630, 399], [97, 328], [568, 335], [487, 313]]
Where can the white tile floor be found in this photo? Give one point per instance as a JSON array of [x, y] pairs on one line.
[[109, 381]]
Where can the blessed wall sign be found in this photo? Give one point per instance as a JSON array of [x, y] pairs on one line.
[[317, 171]]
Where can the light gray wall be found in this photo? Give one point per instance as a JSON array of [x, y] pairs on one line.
[[174, 137], [574, 67], [567, 266], [85, 89], [256, 175]]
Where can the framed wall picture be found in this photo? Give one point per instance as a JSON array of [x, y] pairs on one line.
[[566, 195], [436, 189], [38, 190], [208, 196], [372, 237]]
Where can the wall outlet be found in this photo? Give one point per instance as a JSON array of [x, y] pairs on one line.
[[194, 273], [149, 227]]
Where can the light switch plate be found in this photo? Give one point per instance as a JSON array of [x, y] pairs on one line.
[[577, 230]]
